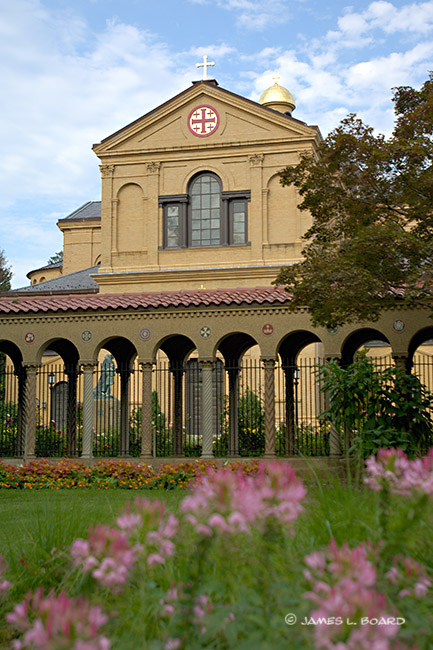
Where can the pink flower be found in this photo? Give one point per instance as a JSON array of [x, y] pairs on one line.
[[409, 576], [160, 527], [393, 470], [52, 622], [107, 554], [230, 501], [343, 584], [172, 644]]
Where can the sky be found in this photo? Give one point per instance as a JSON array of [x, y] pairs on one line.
[[73, 72]]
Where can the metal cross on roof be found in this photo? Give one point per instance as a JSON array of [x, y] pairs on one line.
[[205, 66], [276, 77]]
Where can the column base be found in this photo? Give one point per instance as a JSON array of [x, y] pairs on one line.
[[269, 456], [207, 456], [146, 457]]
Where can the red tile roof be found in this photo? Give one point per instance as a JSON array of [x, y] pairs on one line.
[[212, 297]]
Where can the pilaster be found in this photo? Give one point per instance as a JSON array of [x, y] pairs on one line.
[[154, 226], [255, 215]]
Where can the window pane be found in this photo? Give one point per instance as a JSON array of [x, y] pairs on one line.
[[238, 227], [205, 223], [238, 206], [238, 238], [172, 210]]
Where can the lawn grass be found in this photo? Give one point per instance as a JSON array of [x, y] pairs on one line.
[[261, 577]]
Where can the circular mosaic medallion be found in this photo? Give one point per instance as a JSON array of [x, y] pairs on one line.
[[399, 325], [267, 329], [144, 334], [205, 332], [203, 121], [86, 336], [29, 337], [332, 330]]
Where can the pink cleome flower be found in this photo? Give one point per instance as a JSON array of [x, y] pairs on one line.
[[52, 622], [107, 555], [393, 470], [230, 501], [343, 584]]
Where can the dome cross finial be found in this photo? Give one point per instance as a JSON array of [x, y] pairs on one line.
[[276, 77]]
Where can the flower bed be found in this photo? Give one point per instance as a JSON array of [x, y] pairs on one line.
[[71, 474]]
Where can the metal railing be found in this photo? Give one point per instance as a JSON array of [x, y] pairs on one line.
[[238, 409]]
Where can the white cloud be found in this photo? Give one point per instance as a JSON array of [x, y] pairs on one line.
[[254, 15]]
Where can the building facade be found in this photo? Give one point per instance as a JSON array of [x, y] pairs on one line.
[[175, 265]]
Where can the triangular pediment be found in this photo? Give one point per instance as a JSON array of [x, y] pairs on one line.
[[204, 116]]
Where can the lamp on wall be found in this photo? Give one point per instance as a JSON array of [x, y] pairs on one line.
[[51, 379]]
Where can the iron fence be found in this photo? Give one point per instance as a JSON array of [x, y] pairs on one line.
[[177, 410]]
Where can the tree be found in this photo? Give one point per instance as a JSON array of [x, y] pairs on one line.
[[57, 257], [5, 285], [5, 273], [371, 200]]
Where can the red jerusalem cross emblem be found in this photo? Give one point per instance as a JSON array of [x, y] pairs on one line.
[[203, 121]]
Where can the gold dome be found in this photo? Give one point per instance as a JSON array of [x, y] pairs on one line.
[[278, 98]]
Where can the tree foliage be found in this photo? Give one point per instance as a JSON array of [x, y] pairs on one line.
[[371, 200], [5, 273], [377, 408], [57, 257]]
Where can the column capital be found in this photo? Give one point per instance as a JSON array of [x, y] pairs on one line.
[[333, 357], [153, 167], [146, 365], [31, 366], [401, 361], [106, 170], [206, 363], [87, 366], [256, 159], [268, 361]]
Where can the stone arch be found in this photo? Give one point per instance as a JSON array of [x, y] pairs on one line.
[[285, 222], [131, 222], [13, 352], [173, 379], [226, 180], [357, 338], [12, 392], [64, 348], [116, 369], [62, 390], [232, 347], [421, 364], [302, 393]]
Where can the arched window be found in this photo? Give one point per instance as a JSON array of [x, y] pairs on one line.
[[206, 216], [205, 211]]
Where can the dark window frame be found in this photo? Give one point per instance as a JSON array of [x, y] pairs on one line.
[[183, 201]]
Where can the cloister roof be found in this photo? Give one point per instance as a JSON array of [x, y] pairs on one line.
[[86, 302]]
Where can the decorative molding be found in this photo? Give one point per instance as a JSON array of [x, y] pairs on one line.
[[256, 159], [153, 167], [106, 170]]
